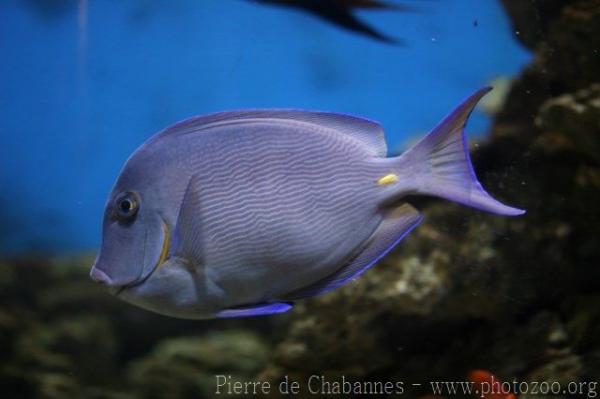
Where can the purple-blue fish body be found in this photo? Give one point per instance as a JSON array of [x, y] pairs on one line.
[[243, 213]]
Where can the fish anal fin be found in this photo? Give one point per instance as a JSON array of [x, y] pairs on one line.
[[260, 309], [396, 224]]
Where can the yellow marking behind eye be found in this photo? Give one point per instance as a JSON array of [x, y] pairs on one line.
[[166, 245], [388, 179]]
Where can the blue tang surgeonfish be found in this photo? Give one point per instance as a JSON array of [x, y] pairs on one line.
[[242, 213]]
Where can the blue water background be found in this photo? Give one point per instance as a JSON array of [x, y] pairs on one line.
[[75, 103]]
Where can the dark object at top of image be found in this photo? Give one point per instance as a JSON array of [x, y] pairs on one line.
[[340, 13]]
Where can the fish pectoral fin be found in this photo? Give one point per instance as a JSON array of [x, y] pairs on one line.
[[260, 309], [395, 226], [188, 237]]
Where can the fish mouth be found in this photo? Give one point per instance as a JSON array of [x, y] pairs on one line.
[[164, 255]]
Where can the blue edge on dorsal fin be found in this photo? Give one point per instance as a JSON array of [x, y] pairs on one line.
[[368, 132]]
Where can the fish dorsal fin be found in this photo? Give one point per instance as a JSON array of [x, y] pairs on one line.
[[367, 132], [188, 237], [394, 227]]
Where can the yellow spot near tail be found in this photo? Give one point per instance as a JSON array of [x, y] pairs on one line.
[[387, 179], [166, 245]]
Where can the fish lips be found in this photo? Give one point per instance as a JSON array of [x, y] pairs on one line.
[[121, 266], [99, 276]]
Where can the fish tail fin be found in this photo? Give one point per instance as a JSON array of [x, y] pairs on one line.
[[440, 164]]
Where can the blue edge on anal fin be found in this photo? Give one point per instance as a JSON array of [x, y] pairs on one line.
[[261, 309], [396, 225]]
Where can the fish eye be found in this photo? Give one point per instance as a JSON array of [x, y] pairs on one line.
[[127, 205]]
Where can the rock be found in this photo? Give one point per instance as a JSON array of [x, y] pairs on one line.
[[572, 121], [187, 367], [532, 20], [61, 358], [555, 378]]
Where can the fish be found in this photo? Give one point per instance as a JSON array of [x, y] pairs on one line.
[[243, 213], [340, 13]]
